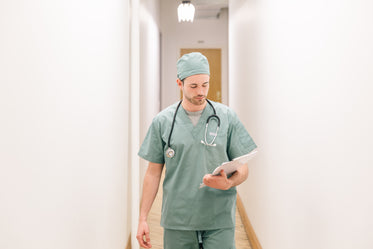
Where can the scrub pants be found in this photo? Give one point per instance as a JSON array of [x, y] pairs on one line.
[[210, 239]]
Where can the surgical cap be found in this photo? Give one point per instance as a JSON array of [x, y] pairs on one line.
[[191, 64]]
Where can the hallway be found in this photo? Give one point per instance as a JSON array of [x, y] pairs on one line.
[[81, 81]]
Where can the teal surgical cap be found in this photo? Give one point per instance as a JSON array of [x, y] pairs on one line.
[[191, 64]]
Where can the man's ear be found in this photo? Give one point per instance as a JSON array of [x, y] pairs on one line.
[[179, 83]]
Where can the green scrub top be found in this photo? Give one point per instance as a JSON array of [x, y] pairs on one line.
[[185, 206]]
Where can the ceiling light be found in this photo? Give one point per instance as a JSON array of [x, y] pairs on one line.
[[186, 11]]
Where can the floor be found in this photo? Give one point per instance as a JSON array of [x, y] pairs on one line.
[[156, 231]]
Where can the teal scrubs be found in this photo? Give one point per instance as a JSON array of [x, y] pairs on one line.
[[210, 239], [185, 206]]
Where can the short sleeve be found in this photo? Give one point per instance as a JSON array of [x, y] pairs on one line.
[[152, 146], [239, 141]]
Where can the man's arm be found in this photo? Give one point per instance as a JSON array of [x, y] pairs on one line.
[[150, 188], [222, 182]]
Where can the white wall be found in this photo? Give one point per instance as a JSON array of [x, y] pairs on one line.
[[149, 67], [308, 83], [175, 35], [64, 124], [145, 93]]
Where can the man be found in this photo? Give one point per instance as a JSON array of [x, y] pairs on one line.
[[178, 137]]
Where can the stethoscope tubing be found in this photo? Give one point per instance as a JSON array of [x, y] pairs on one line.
[[173, 124], [170, 152]]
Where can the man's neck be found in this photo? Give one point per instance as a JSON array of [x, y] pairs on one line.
[[191, 107]]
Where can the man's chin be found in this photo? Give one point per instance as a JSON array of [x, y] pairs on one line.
[[199, 101]]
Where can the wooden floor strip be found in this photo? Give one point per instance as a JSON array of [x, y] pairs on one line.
[[247, 225], [128, 246]]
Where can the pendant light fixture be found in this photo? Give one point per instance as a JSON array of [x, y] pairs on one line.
[[186, 11]]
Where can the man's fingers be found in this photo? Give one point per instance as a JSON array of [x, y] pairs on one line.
[[140, 240], [206, 179], [222, 173], [144, 243]]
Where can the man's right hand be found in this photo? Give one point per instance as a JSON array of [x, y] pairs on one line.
[[149, 191], [143, 230]]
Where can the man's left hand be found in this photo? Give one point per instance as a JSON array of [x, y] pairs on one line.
[[219, 182]]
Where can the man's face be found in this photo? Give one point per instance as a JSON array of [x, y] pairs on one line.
[[195, 88]]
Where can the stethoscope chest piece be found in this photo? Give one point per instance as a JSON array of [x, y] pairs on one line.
[[170, 153]]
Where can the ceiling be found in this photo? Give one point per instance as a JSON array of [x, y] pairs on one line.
[[208, 9]]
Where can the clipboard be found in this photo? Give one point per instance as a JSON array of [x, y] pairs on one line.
[[232, 166]]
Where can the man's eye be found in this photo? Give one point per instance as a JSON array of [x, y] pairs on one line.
[[193, 87]]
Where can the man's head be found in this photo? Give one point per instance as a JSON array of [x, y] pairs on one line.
[[193, 74]]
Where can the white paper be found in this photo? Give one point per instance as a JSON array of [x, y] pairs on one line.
[[232, 166]]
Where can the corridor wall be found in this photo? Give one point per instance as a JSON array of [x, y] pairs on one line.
[[301, 79], [64, 90], [150, 66]]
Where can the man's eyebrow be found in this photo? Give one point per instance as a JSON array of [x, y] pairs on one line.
[[197, 83]]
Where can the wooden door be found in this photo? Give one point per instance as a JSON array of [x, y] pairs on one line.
[[214, 57]]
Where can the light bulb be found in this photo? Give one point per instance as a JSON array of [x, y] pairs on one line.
[[185, 12]]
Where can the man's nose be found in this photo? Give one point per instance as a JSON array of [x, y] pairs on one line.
[[201, 91]]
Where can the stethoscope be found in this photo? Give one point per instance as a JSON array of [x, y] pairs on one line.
[[170, 153]]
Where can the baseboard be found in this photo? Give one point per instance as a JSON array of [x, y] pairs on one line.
[[248, 227], [128, 246]]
